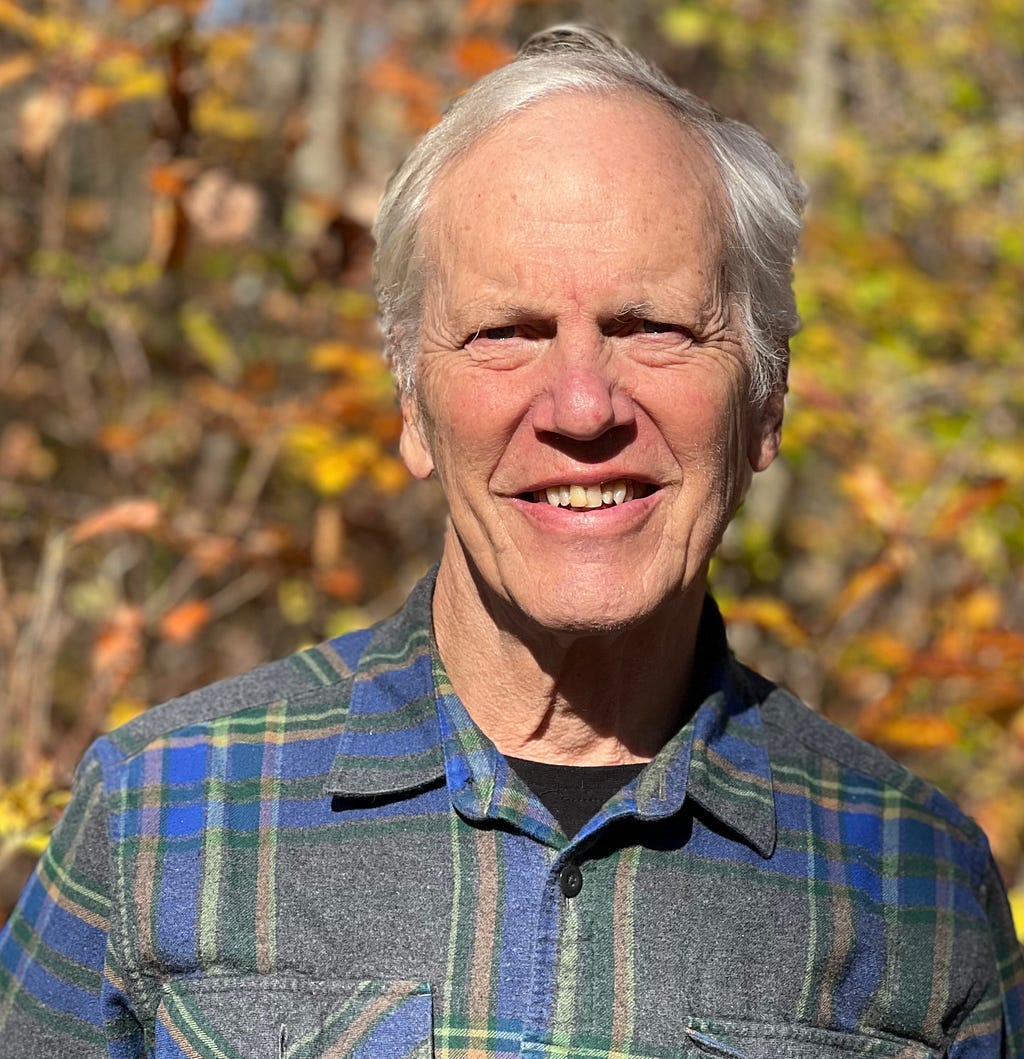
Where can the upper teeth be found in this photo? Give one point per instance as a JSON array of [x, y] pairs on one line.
[[588, 496]]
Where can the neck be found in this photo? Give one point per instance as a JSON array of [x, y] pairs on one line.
[[600, 698]]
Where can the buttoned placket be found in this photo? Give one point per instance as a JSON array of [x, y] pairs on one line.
[[442, 742]]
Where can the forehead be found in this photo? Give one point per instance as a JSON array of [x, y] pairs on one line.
[[612, 177]]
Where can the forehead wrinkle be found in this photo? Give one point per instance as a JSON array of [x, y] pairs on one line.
[[524, 219]]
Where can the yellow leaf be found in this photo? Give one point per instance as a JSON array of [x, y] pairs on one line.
[[26, 806], [296, 601], [122, 711], [770, 614], [917, 732], [212, 347], [216, 116], [1017, 908], [687, 25], [390, 475], [36, 842], [355, 305], [332, 356], [334, 471]]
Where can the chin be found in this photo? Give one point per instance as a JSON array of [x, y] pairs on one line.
[[582, 610]]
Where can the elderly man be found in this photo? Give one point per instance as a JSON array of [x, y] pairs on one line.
[[541, 811]]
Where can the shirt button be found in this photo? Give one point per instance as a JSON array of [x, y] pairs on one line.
[[570, 878]]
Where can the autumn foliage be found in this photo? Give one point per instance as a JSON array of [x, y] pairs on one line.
[[198, 466]]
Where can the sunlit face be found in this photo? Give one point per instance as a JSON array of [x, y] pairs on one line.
[[582, 382]]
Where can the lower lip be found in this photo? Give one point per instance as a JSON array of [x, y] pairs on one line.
[[590, 522]]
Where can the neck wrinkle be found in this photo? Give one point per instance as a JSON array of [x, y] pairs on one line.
[[610, 698]]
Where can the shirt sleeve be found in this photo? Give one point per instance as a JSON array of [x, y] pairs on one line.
[[54, 973], [994, 1028]]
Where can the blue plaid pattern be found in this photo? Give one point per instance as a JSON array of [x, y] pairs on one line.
[[326, 857]]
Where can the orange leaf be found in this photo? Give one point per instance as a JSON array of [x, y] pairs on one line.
[[182, 623], [492, 10], [88, 214], [12, 16], [118, 647], [865, 583], [982, 609], [91, 101], [917, 732], [967, 503], [126, 516], [886, 651], [477, 56], [341, 582], [171, 179], [873, 497], [16, 68], [213, 552], [119, 437], [393, 75]]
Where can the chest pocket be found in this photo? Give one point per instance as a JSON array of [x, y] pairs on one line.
[[733, 1039], [278, 1017]]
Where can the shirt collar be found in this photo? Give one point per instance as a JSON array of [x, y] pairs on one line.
[[406, 729], [391, 742]]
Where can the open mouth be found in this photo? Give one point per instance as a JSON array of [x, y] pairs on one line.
[[591, 497]]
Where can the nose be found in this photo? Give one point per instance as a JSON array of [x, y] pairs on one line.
[[582, 399]]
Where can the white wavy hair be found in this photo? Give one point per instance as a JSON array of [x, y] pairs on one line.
[[764, 194]]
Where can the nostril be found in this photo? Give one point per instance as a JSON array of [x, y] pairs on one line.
[[583, 404]]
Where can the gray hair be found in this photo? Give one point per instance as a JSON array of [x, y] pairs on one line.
[[764, 194]]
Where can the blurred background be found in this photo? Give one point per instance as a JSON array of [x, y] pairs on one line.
[[198, 468]]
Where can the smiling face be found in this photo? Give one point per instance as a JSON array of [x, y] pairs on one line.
[[581, 384]]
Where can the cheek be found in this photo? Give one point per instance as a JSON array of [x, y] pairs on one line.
[[466, 443], [474, 415], [709, 440], [704, 425]]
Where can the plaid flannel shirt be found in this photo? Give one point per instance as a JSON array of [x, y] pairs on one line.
[[327, 858]]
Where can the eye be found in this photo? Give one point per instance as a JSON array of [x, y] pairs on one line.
[[498, 334], [494, 334], [658, 327], [634, 321]]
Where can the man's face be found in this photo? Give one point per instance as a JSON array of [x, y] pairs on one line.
[[582, 383]]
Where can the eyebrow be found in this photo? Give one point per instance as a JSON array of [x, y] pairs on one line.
[[634, 310]]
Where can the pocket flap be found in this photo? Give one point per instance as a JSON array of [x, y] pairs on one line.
[[736, 1039], [278, 1017]]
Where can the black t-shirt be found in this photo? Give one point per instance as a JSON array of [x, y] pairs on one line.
[[573, 793]]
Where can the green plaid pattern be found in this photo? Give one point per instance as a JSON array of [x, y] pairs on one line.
[[326, 858]]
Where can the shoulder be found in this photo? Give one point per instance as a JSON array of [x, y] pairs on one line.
[[809, 752], [316, 680]]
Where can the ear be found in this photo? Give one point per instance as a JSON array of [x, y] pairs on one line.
[[413, 444], [766, 433]]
